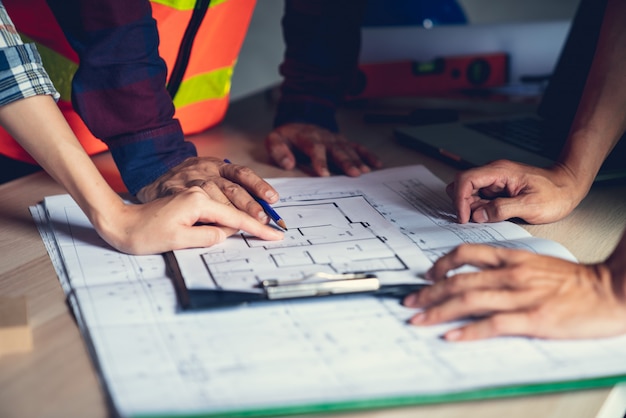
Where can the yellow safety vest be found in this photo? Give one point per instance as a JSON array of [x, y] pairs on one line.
[[203, 95]]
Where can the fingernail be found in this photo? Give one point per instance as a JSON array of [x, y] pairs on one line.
[[481, 216], [324, 173], [285, 163], [453, 335], [429, 275], [418, 319], [270, 195], [262, 216], [410, 300]]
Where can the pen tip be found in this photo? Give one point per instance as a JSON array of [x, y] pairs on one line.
[[282, 224]]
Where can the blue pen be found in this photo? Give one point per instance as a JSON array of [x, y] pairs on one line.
[[268, 209]]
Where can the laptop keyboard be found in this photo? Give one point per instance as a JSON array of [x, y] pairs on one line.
[[525, 133]]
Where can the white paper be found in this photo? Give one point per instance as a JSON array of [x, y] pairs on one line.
[[155, 359], [392, 223]]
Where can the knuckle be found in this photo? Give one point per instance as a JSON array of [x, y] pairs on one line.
[[196, 182], [243, 171], [471, 299], [536, 318], [215, 236], [491, 326], [434, 315], [518, 275], [171, 190], [425, 296], [497, 325], [496, 210], [452, 284], [503, 164], [251, 208], [196, 194], [209, 187], [460, 252], [231, 189]]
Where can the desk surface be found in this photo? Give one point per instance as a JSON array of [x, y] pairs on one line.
[[57, 378]]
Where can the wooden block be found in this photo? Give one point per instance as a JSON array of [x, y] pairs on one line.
[[15, 333]]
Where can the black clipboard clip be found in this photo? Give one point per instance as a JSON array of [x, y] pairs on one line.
[[312, 286]]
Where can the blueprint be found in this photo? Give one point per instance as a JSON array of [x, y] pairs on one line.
[[340, 353], [393, 228]]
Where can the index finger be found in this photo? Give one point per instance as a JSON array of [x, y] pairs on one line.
[[248, 179], [228, 216]]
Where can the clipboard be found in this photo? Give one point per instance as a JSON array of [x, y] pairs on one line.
[[313, 286]]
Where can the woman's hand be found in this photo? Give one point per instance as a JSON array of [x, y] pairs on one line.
[[189, 218]]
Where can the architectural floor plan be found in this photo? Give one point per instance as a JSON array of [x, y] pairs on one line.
[[315, 355]]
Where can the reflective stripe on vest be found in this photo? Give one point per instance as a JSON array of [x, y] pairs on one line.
[[202, 99], [183, 4]]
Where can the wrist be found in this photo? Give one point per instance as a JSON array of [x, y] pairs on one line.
[[143, 157], [583, 155], [307, 113], [572, 184], [113, 223]]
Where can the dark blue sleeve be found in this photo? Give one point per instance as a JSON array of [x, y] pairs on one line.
[[119, 88], [323, 40]]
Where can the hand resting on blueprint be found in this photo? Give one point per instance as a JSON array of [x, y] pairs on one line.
[[505, 189], [517, 292], [287, 142], [230, 184], [189, 218]]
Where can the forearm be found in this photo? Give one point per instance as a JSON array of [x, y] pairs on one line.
[[597, 125], [38, 126], [322, 46]]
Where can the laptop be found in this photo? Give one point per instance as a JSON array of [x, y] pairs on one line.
[[534, 139]]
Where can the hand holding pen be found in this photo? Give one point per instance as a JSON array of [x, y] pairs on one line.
[[268, 208]]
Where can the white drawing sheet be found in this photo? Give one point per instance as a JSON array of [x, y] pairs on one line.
[[348, 351], [393, 227]]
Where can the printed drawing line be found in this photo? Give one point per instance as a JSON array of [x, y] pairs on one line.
[[323, 236]]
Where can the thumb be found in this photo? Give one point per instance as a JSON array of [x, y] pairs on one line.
[[498, 210], [279, 151]]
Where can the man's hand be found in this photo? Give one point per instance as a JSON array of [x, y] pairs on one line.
[[319, 146], [504, 189], [224, 183], [186, 219], [521, 293]]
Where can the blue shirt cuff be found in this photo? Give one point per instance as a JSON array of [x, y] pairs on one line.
[[145, 156]]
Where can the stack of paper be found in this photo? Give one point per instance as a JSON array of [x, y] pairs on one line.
[[339, 353]]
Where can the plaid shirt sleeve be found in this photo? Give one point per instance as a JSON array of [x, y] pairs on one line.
[[323, 40], [21, 71], [119, 88]]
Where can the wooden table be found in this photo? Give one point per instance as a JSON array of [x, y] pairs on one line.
[[57, 378]]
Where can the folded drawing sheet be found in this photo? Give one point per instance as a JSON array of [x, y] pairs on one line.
[[338, 353]]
